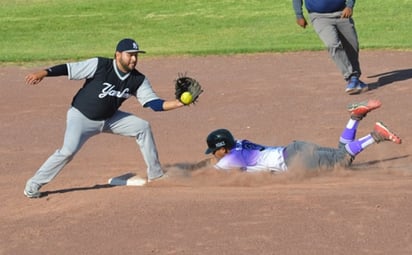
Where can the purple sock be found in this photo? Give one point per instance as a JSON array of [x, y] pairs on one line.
[[349, 133], [355, 147]]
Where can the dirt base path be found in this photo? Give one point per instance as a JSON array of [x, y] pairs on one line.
[[268, 98]]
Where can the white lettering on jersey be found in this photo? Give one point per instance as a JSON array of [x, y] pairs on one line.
[[108, 90]]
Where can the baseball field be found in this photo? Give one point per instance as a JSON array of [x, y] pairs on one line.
[[269, 96]]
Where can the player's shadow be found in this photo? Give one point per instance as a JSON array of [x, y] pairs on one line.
[[390, 77], [360, 166], [97, 186]]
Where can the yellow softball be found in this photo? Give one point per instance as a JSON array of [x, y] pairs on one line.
[[186, 97]]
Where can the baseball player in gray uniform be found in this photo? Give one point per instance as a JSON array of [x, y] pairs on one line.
[[333, 22], [95, 109]]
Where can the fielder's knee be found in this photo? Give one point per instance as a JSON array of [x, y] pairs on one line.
[[65, 153], [144, 128]]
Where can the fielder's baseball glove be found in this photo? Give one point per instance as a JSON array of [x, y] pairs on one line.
[[187, 84]]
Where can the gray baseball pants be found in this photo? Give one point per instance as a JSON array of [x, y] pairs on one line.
[[314, 157], [340, 37], [79, 129]]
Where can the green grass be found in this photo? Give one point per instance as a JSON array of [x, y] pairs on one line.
[[47, 30]]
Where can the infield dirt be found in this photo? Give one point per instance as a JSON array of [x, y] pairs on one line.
[[268, 98]]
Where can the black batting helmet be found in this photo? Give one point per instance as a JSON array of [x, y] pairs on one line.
[[219, 138]]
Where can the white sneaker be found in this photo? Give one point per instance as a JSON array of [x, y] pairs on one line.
[[32, 190], [161, 178], [32, 194]]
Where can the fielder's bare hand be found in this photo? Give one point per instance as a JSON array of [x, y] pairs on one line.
[[302, 22], [346, 13], [35, 78]]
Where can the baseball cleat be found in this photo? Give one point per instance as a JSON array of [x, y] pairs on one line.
[[32, 190], [355, 86], [161, 178], [362, 87], [382, 133], [353, 83], [31, 194], [359, 110]]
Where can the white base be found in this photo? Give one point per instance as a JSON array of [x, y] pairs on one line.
[[128, 179]]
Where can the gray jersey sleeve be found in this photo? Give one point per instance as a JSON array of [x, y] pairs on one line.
[[145, 93], [297, 6], [82, 70]]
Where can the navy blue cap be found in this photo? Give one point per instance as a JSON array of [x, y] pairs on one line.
[[128, 45]]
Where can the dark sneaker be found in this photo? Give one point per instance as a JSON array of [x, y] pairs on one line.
[[382, 133], [359, 110], [362, 87], [352, 87]]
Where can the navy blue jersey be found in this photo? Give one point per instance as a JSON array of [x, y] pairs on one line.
[[321, 6], [325, 6], [105, 88]]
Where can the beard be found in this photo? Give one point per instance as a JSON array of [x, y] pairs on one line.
[[128, 67]]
